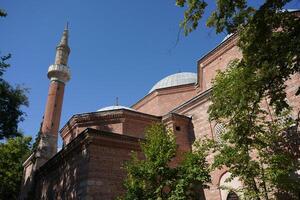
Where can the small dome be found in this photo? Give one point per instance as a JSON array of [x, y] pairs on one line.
[[181, 78], [114, 108]]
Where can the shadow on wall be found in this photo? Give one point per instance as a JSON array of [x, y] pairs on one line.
[[66, 180], [198, 188], [191, 135], [291, 145]]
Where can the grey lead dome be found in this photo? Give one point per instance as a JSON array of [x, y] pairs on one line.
[[114, 108], [181, 78]]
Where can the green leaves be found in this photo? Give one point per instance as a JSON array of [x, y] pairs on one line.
[[3, 13], [3, 64], [11, 100], [229, 15], [194, 12], [160, 145], [154, 177], [255, 145], [16, 147], [250, 98], [12, 155]]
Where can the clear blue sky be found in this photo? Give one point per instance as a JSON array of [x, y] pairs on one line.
[[118, 49]]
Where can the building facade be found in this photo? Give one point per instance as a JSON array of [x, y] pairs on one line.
[[96, 144]]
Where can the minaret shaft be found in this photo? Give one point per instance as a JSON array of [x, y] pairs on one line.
[[52, 115], [58, 74], [53, 107]]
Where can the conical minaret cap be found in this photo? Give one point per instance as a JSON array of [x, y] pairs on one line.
[[64, 39], [60, 71], [65, 36], [62, 49]]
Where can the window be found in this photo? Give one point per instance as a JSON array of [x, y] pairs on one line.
[[232, 196], [219, 129], [177, 128]]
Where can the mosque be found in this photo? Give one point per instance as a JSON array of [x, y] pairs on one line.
[[96, 144]]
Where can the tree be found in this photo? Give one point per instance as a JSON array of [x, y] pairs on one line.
[[152, 177], [12, 155], [257, 145], [2, 13], [268, 38], [15, 149], [11, 100]]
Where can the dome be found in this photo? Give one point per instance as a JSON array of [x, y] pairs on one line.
[[181, 78], [114, 108]]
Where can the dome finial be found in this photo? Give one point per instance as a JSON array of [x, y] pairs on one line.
[[117, 101]]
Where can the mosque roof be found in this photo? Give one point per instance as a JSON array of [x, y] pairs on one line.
[[114, 108], [177, 79], [227, 36]]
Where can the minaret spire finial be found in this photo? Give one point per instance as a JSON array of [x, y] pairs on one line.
[[67, 26], [65, 36], [63, 50]]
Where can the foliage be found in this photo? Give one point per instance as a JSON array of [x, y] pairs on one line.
[[15, 149], [2, 13], [155, 177], [269, 38], [259, 146], [36, 141], [12, 155], [11, 100]]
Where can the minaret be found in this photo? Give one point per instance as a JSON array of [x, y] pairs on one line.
[[59, 75]]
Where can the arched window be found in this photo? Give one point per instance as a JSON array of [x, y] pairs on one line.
[[219, 130], [227, 187], [232, 196]]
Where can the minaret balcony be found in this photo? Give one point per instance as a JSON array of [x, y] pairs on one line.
[[60, 73]]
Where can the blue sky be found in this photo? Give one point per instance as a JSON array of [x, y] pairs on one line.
[[118, 49]]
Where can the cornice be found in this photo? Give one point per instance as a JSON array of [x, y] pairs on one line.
[[105, 116], [195, 101], [214, 54], [87, 137], [77, 142], [175, 117], [220, 49]]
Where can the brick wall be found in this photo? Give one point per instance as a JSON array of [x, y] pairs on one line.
[[217, 59], [162, 101], [90, 167], [64, 176], [106, 173], [122, 121], [197, 108]]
